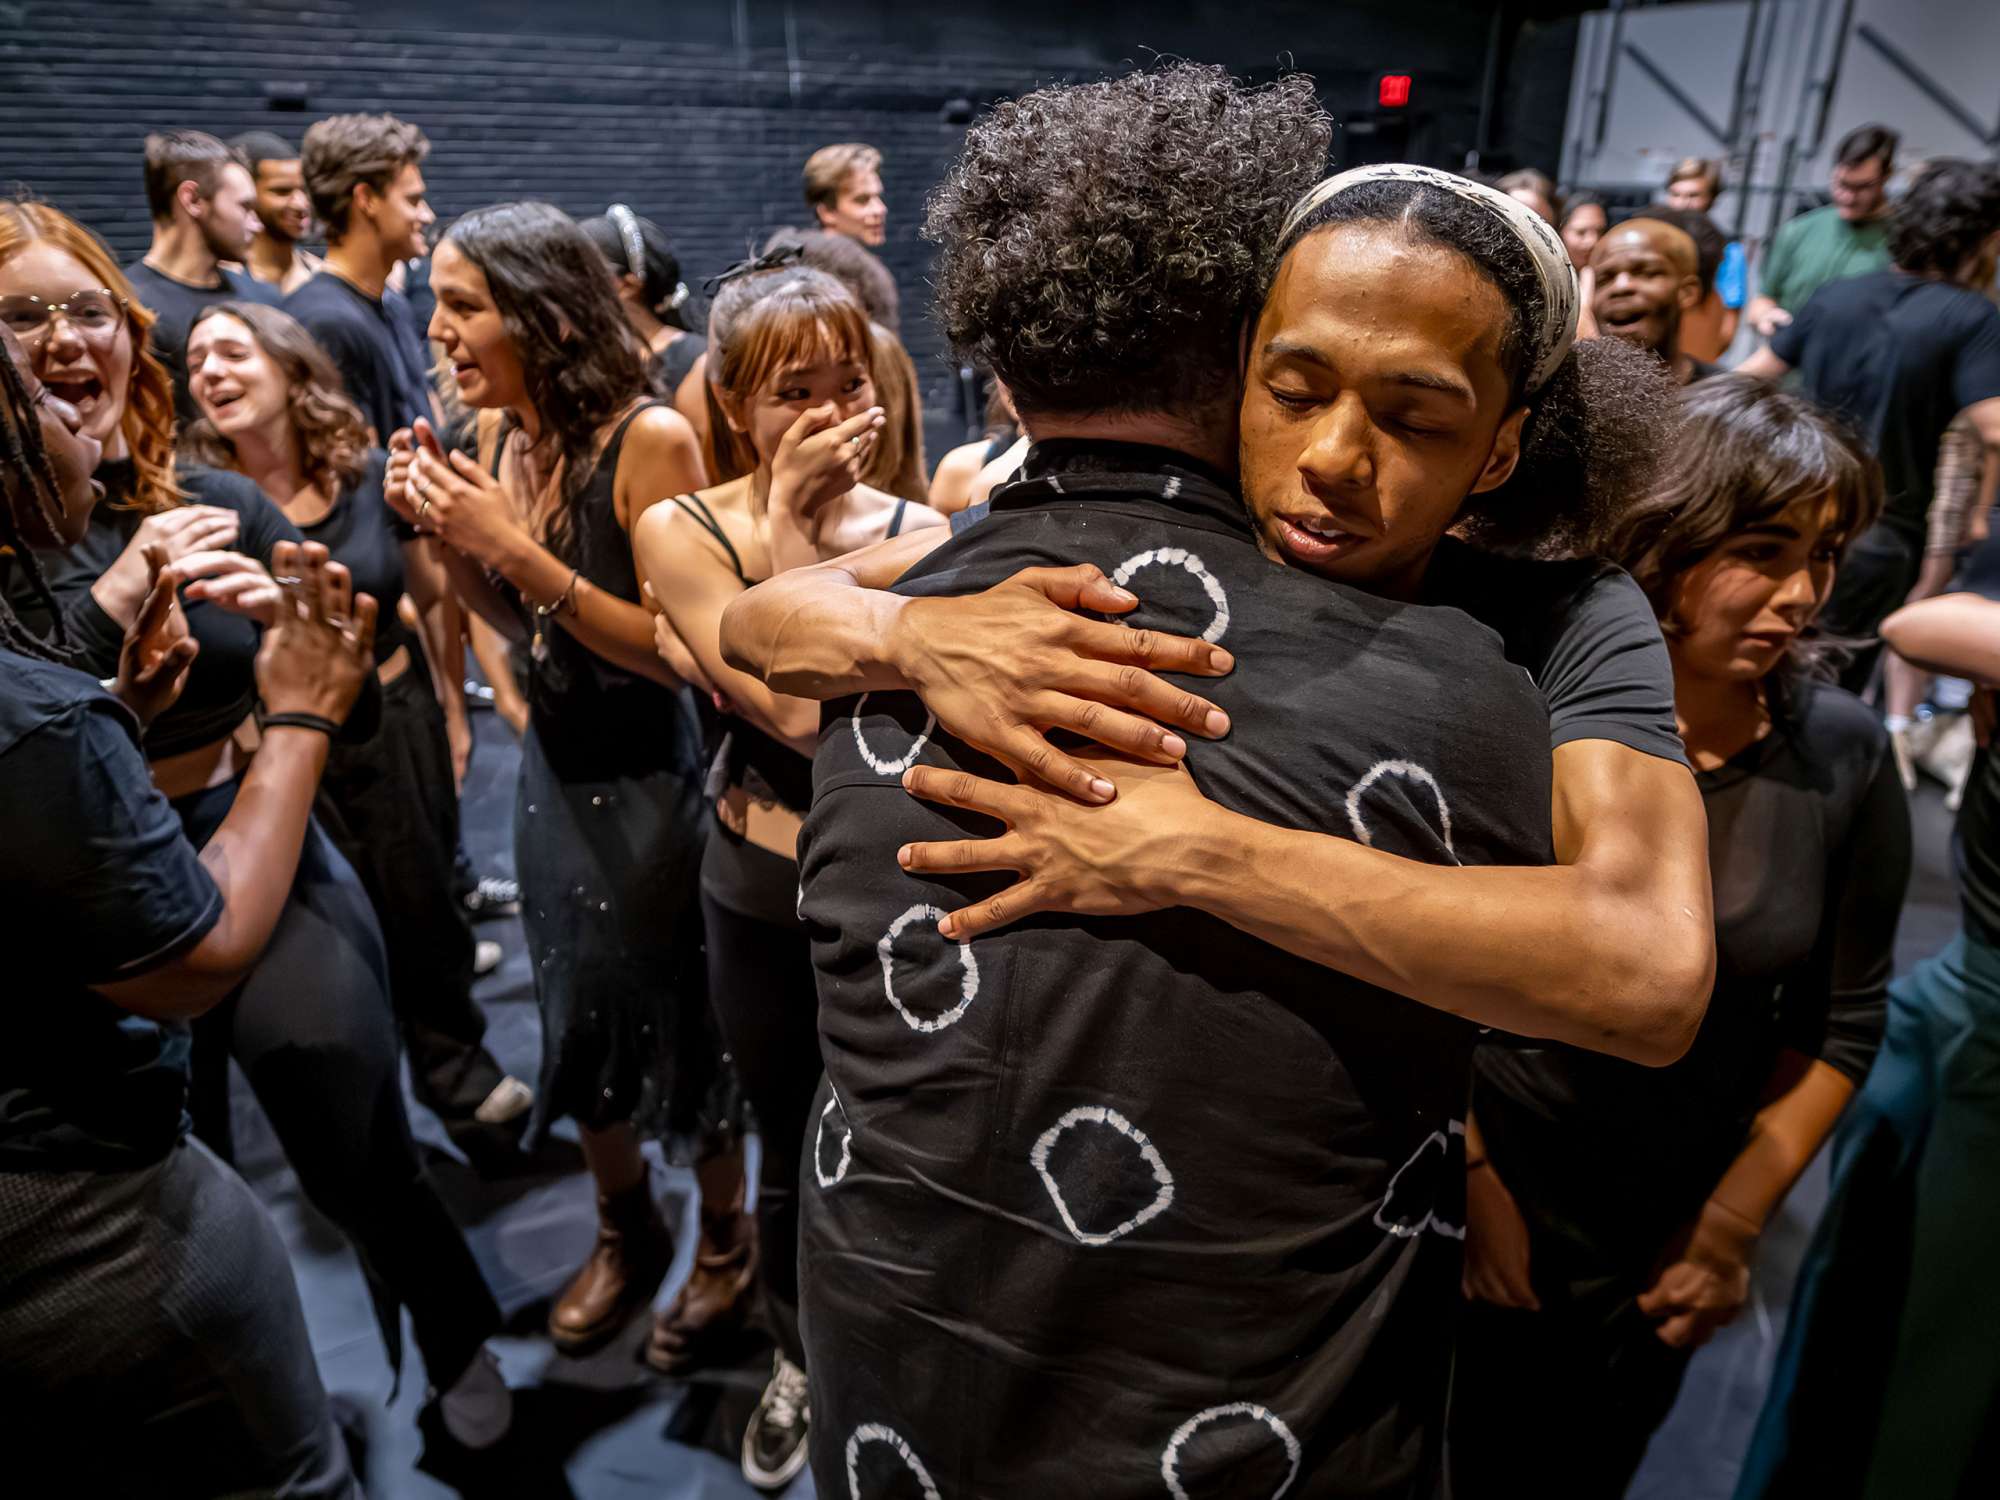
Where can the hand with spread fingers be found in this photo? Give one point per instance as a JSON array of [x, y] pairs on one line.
[[153, 662], [320, 649], [1002, 668], [1113, 859]]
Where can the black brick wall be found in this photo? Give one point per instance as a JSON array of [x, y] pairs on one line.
[[698, 114]]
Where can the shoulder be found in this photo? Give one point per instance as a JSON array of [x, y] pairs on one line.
[[1559, 591], [1831, 723], [44, 706], [321, 305], [223, 487], [247, 287], [659, 431]]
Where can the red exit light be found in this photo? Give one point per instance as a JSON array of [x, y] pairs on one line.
[[1393, 92]]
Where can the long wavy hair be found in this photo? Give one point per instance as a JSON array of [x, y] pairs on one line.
[[329, 433], [148, 419], [583, 364]]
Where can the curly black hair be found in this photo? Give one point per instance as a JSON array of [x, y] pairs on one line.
[[1941, 221], [1597, 429], [1101, 245]]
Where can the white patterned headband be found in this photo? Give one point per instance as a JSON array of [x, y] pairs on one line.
[[627, 224], [1544, 246]]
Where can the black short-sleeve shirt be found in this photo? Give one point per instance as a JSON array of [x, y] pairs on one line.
[[175, 305], [1809, 844], [372, 342], [1583, 631], [1898, 356], [221, 688], [1090, 1196], [97, 884]]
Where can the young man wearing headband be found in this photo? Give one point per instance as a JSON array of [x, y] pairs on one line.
[[1112, 1202]]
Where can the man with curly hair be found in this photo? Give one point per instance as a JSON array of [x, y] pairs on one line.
[[1096, 1204], [1901, 354]]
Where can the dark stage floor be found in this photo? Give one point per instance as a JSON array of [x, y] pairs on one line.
[[607, 1429]]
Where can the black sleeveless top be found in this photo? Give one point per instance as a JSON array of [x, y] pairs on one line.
[[749, 757], [668, 368], [593, 718]]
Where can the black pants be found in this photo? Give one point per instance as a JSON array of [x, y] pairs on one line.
[[312, 1030], [151, 1341], [1558, 1402], [760, 981], [389, 805]]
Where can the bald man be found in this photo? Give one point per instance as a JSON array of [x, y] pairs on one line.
[[1646, 276]]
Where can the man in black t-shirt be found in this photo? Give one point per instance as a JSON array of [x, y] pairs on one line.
[[363, 172], [1899, 354], [203, 204]]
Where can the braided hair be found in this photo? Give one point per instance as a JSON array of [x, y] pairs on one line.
[[27, 479]]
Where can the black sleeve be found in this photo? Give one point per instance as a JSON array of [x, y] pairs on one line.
[[1606, 675], [1977, 377], [94, 636], [1789, 343], [1837, 1011], [96, 859], [264, 524]]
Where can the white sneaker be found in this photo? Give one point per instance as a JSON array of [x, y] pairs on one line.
[[510, 1098], [486, 956], [774, 1444]]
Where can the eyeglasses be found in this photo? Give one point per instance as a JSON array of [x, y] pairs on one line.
[[96, 313]]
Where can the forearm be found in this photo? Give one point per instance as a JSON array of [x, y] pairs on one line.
[[815, 633], [253, 858], [1541, 951], [1787, 1133], [475, 591], [605, 625]]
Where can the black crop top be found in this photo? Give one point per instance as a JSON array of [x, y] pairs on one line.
[[221, 686], [365, 535]]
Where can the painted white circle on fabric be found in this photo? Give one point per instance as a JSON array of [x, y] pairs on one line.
[[875, 762], [968, 981], [846, 1144], [875, 1432], [1180, 557], [1405, 1227], [1170, 1460], [1098, 1114], [1409, 770]]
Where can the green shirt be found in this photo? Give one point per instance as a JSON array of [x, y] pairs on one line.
[[1819, 247]]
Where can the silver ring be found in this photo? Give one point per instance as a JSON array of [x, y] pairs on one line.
[[423, 509]]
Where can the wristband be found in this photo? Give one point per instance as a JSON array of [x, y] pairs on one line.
[[325, 726]]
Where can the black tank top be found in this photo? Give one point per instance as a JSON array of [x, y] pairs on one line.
[[594, 718]]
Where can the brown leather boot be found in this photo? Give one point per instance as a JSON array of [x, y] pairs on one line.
[[711, 1309], [632, 1253]]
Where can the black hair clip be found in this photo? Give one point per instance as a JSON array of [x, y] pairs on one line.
[[770, 260]]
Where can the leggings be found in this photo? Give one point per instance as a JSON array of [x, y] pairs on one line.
[[312, 1030], [151, 1341], [767, 1006], [389, 806]]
